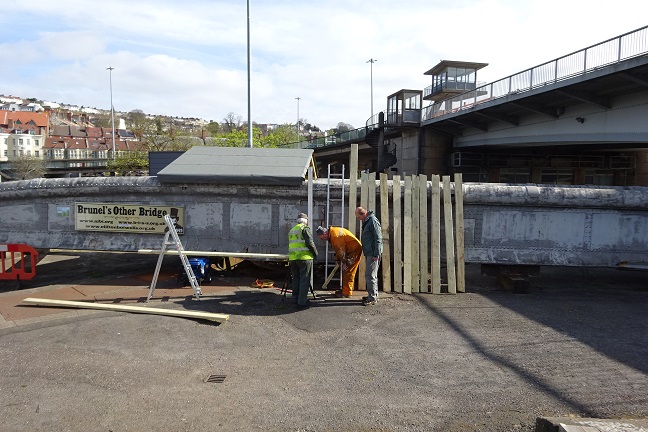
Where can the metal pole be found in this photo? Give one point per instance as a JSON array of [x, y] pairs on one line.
[[297, 125], [372, 61], [248, 73], [310, 208], [112, 112]]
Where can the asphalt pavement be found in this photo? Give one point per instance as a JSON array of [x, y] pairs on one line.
[[572, 350]]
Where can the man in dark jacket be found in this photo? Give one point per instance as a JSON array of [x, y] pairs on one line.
[[371, 239]]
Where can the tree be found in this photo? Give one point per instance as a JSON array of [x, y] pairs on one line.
[[237, 138], [213, 128], [343, 127], [279, 136], [28, 167], [183, 142], [137, 122], [231, 122], [156, 135], [102, 120], [130, 163]]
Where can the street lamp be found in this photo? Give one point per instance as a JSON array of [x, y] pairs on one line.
[[297, 126], [372, 61], [112, 112], [248, 77]]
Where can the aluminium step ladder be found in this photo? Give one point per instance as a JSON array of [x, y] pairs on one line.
[[332, 204], [171, 232]]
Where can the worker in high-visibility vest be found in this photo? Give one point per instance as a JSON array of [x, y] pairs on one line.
[[348, 251], [301, 253]]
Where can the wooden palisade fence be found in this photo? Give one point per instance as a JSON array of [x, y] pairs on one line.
[[412, 240]]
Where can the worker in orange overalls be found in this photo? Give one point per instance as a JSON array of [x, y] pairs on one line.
[[348, 251]]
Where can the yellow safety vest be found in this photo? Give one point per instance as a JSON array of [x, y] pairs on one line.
[[297, 249]]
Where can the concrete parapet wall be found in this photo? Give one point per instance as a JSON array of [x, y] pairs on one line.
[[232, 218], [504, 224]]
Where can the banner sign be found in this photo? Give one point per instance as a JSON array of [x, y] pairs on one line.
[[133, 218]]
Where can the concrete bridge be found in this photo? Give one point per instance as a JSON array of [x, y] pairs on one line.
[[577, 119], [504, 224]]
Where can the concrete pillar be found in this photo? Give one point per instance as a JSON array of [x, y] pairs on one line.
[[641, 170], [435, 153]]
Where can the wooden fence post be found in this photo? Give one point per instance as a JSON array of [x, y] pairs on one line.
[[435, 235], [364, 197], [449, 237], [398, 238], [407, 236], [384, 222], [459, 224], [416, 251], [423, 236]]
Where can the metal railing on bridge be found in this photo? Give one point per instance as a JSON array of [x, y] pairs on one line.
[[345, 137], [611, 51]]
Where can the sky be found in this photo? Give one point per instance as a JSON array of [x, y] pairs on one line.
[[189, 58]]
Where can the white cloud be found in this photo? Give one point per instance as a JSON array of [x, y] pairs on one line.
[[189, 58]]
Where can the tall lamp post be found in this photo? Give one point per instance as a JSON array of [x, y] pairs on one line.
[[297, 125], [372, 61], [248, 77], [112, 112]]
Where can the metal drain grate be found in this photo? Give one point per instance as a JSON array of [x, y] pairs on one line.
[[215, 378]]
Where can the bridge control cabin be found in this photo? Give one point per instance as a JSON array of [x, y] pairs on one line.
[[451, 78], [404, 108]]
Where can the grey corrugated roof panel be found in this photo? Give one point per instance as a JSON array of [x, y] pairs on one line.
[[239, 165]]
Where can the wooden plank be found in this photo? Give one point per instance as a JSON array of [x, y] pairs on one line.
[[577, 428], [364, 199], [398, 235], [384, 222], [330, 276], [407, 236], [371, 192], [449, 236], [416, 277], [353, 187], [244, 255], [124, 308], [459, 230], [423, 234], [435, 236]]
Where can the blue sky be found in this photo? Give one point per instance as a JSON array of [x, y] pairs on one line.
[[189, 58]]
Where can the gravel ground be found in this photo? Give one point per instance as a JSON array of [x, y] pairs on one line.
[[488, 360]]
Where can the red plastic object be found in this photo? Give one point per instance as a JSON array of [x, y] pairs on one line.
[[17, 261]]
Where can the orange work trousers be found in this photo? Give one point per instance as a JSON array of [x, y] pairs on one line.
[[349, 267]]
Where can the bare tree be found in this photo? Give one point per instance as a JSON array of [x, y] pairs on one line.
[[231, 122], [28, 167], [101, 120]]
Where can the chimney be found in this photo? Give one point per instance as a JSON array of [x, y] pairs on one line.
[[10, 123]]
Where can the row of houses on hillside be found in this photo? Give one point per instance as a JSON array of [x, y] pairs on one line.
[[30, 134]]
